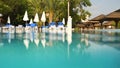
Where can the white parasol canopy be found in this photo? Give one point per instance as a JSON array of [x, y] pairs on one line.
[[43, 18], [36, 18], [25, 18], [31, 21], [63, 21], [8, 20], [1, 15]]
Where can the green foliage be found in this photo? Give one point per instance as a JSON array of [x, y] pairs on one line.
[[119, 25], [13, 8], [16, 8], [77, 11], [77, 29]]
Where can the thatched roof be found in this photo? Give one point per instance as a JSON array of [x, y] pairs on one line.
[[115, 14], [111, 16], [80, 25], [108, 23], [99, 18], [97, 25], [92, 22]]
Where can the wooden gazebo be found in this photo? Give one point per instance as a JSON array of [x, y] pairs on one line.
[[80, 25], [109, 25], [114, 16], [91, 23], [101, 18]]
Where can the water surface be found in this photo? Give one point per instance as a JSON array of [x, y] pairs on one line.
[[90, 49]]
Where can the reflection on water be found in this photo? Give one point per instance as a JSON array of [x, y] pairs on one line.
[[51, 39], [105, 38], [65, 48], [26, 43], [68, 38]]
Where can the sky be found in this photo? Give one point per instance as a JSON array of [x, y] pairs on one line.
[[103, 7]]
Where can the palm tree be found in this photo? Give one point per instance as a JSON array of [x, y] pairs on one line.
[[53, 7], [60, 10], [35, 6], [57, 9], [50, 8]]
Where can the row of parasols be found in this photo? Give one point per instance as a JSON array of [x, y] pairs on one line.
[[36, 19]]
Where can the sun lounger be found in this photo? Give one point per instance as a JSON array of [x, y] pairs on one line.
[[27, 29], [19, 29], [8, 29]]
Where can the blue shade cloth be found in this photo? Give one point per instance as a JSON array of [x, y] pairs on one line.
[[33, 24], [52, 23], [60, 23], [43, 27], [8, 25], [27, 24], [46, 26]]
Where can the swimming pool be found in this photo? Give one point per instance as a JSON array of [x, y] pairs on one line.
[[90, 49]]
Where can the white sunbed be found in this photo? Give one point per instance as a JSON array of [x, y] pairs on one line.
[[52, 29], [10, 29], [34, 29], [19, 29], [28, 29], [44, 29]]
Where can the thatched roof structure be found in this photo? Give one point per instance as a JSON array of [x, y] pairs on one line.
[[80, 25], [108, 23], [99, 18], [98, 21], [92, 22], [114, 15], [97, 25]]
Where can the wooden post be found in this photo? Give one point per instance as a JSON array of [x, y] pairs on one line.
[[116, 24], [101, 27], [101, 23], [68, 8], [93, 25]]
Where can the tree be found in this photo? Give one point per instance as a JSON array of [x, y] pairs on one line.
[[77, 10], [13, 8], [57, 9], [35, 6], [52, 7]]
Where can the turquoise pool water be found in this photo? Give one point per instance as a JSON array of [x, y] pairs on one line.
[[94, 49]]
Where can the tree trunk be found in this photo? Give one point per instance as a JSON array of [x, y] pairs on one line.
[[50, 16], [68, 8]]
